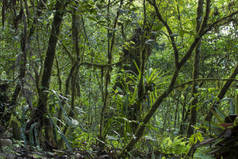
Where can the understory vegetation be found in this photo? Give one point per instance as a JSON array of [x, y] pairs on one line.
[[143, 79]]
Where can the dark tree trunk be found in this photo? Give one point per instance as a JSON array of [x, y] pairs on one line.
[[39, 115], [193, 116]]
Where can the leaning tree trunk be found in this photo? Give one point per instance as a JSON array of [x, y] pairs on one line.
[[178, 66], [39, 116], [222, 93]]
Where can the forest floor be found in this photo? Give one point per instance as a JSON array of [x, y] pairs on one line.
[[16, 152]]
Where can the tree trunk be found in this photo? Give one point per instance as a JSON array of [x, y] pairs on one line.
[[39, 116], [178, 64], [193, 116]]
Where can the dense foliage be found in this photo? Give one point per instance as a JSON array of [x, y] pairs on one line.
[[120, 78]]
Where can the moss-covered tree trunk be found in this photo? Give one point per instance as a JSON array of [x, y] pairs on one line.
[[178, 66], [196, 60], [136, 55], [40, 115]]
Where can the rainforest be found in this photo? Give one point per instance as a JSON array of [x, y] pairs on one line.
[[119, 79]]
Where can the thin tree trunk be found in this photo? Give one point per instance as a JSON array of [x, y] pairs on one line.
[[23, 62], [110, 46], [196, 60], [75, 68], [25, 46]]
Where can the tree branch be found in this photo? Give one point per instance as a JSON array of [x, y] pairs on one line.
[[206, 17], [222, 93], [211, 26], [204, 79], [171, 35]]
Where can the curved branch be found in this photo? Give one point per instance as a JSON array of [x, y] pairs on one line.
[[102, 65], [171, 35], [203, 79], [211, 26], [206, 17]]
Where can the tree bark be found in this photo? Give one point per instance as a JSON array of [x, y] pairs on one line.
[[39, 115], [193, 116]]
